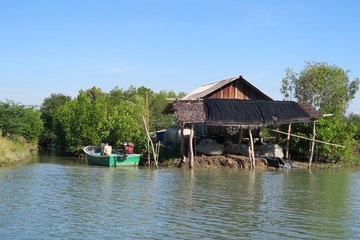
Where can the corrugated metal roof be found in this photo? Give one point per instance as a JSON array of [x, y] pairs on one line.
[[205, 90]]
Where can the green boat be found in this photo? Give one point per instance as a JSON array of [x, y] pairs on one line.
[[95, 157]]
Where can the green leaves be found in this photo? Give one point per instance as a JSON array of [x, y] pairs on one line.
[[94, 117], [328, 89], [17, 119]]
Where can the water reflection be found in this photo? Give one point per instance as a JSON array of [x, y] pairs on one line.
[[54, 197]]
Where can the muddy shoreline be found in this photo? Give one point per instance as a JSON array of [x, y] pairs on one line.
[[229, 161]]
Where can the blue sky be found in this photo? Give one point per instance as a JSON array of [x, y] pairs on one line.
[[64, 46]]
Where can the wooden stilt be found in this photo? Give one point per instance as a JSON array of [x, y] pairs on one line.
[[312, 144], [241, 134], [191, 165], [182, 141], [195, 140], [176, 137], [288, 142], [277, 134], [252, 149], [151, 142], [250, 155], [147, 125]]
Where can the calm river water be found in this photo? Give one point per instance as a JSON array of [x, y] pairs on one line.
[[54, 198]]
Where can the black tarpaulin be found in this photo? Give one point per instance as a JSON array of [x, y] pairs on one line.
[[244, 112]]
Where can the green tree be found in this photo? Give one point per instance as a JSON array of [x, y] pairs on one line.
[[159, 120], [17, 119], [355, 119], [81, 122], [33, 124], [11, 118], [48, 110], [328, 89]]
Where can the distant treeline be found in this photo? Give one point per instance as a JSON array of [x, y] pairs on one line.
[[91, 118], [95, 117]]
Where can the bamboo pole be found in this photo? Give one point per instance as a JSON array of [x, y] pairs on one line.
[[151, 142], [191, 165], [312, 145], [288, 142], [310, 139]]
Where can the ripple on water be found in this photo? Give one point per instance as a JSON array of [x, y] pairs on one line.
[[56, 200]]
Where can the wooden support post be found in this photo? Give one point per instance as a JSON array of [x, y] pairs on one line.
[[182, 140], [176, 137], [152, 144], [195, 140], [147, 125], [277, 135], [252, 149], [191, 164], [241, 135], [312, 144], [288, 143], [250, 154], [240, 140]]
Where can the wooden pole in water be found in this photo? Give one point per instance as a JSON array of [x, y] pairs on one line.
[[250, 155], [152, 144], [277, 134], [312, 144], [252, 149], [191, 165], [288, 143], [147, 126], [182, 140]]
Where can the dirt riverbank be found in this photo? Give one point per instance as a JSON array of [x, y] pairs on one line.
[[223, 161]]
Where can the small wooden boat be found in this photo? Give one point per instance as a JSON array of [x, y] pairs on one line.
[[95, 156]]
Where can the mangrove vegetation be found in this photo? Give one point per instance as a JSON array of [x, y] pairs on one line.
[[94, 117]]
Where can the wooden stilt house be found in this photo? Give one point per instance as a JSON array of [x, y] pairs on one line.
[[231, 88], [233, 109]]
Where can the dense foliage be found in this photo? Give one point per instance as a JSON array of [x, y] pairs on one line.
[[95, 117], [355, 119], [20, 120], [48, 109], [328, 89]]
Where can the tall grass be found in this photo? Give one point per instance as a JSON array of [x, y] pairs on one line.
[[13, 150]]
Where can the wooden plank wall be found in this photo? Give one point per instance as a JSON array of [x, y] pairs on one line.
[[236, 90]]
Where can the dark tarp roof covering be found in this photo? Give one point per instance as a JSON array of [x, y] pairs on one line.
[[233, 111], [241, 112]]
